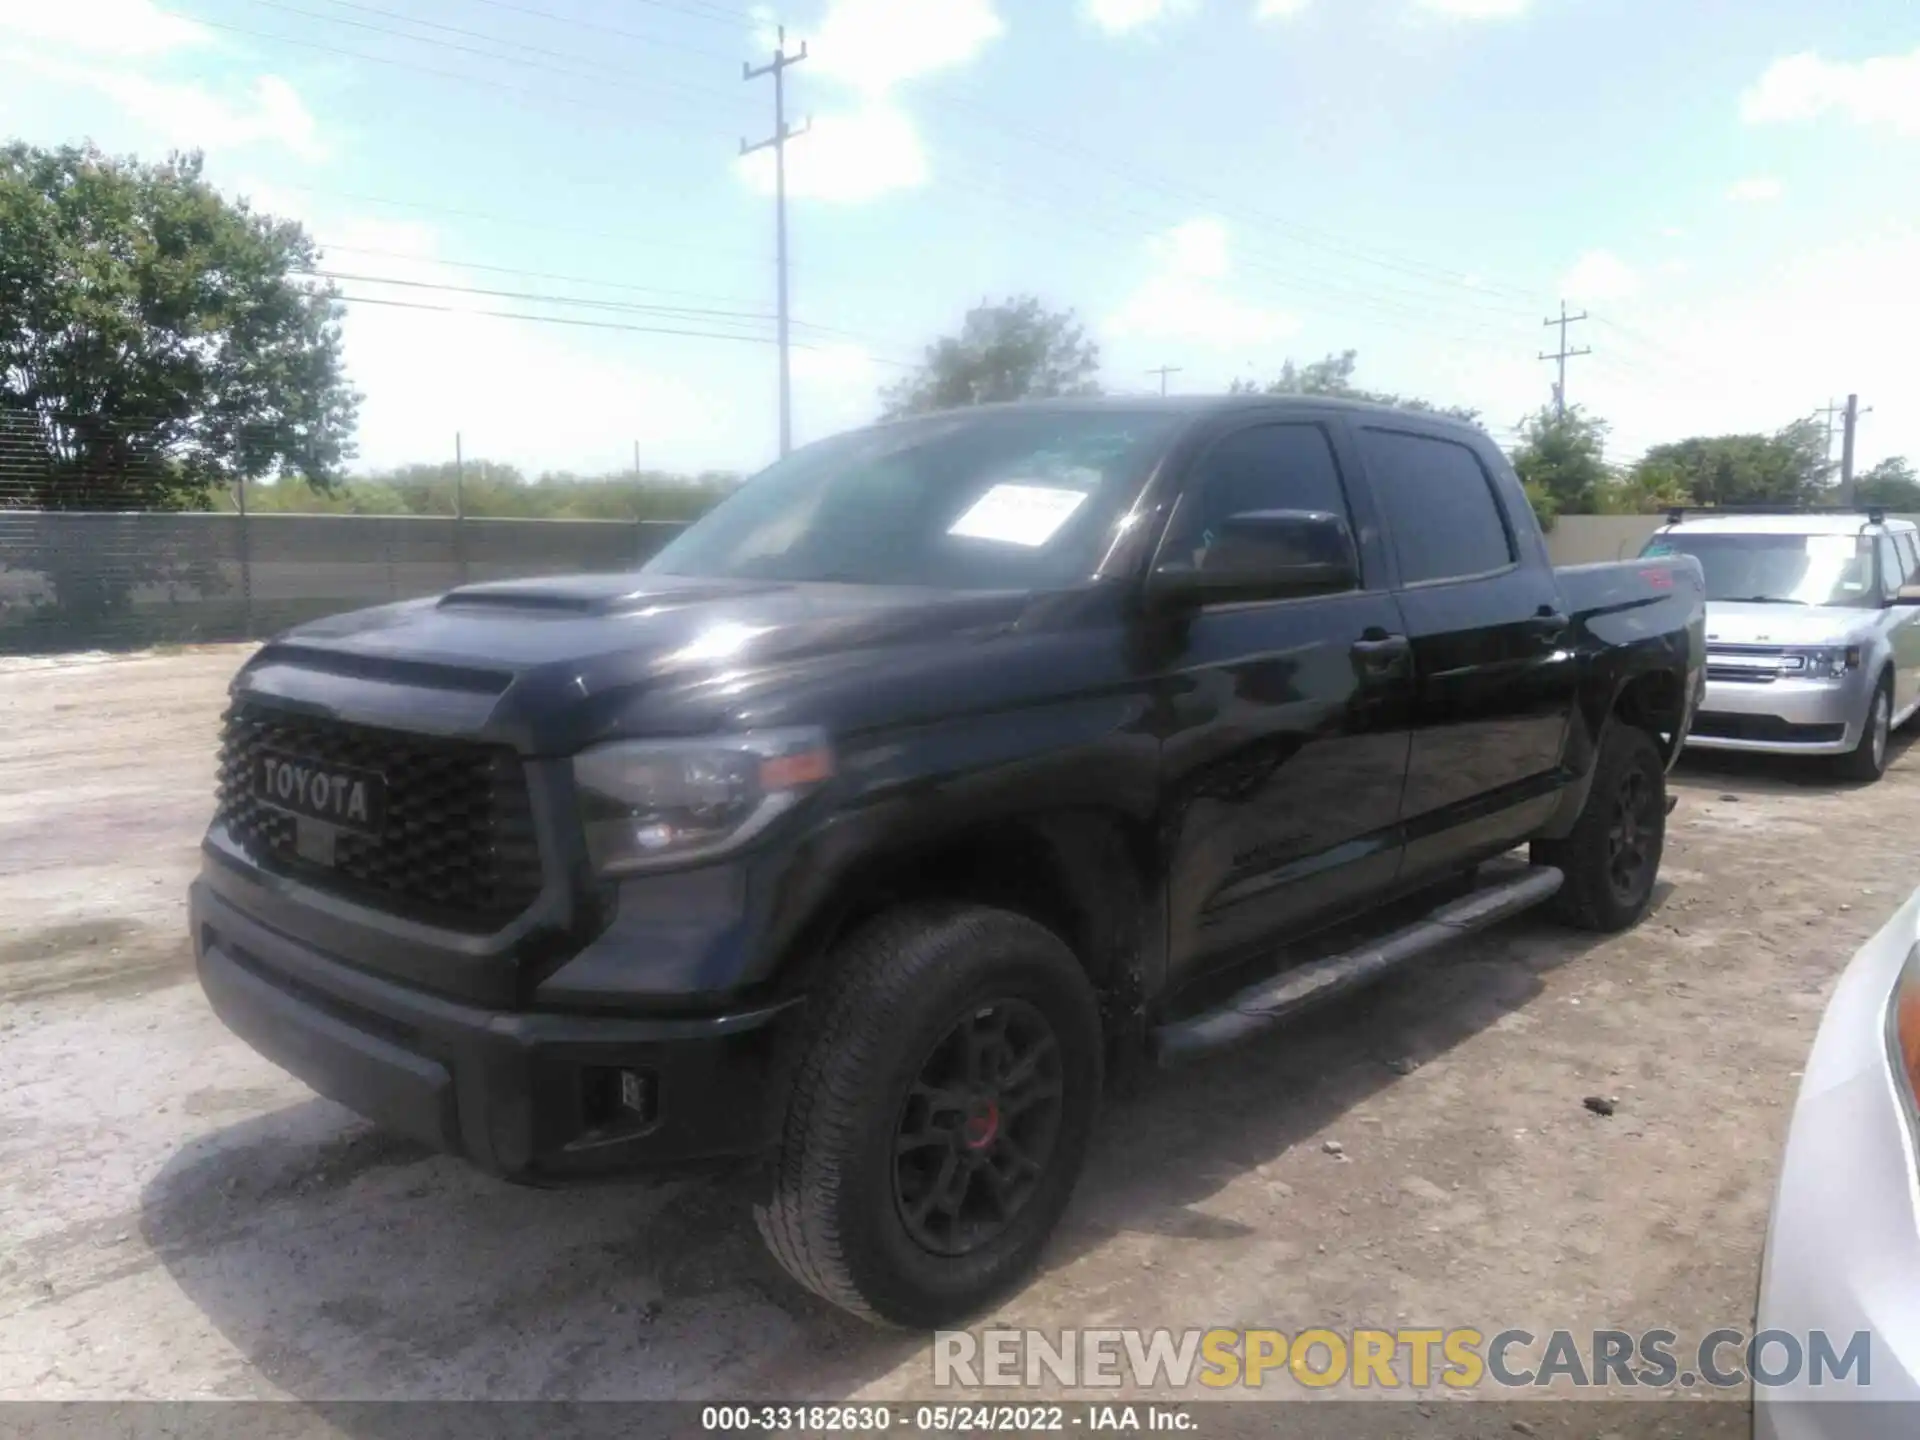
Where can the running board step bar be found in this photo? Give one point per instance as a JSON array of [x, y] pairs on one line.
[[1262, 1006]]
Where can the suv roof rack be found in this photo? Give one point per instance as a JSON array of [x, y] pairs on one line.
[[1874, 514]]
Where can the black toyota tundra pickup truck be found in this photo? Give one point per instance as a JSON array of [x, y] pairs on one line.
[[943, 769]]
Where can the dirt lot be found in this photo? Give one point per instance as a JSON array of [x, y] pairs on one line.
[[179, 1219]]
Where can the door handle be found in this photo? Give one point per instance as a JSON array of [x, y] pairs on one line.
[[1548, 625], [1379, 653]]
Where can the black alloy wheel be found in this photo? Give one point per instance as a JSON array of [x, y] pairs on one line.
[[1633, 835], [978, 1127]]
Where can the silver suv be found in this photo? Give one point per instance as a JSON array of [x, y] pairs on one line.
[[1813, 631]]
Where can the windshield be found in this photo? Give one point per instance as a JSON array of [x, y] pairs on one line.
[[1783, 569], [985, 501]]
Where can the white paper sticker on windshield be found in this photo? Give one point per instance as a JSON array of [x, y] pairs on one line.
[[1018, 514]]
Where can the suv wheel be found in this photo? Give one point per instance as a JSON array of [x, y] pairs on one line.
[[1612, 857], [939, 1116], [1868, 759]]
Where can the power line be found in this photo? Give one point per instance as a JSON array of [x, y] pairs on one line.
[[329, 248], [564, 320], [782, 133], [887, 361], [759, 317], [585, 302], [494, 217], [555, 18], [1343, 246], [1290, 278], [681, 91], [1563, 354], [461, 76]]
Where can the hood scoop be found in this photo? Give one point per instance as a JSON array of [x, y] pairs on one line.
[[583, 595]]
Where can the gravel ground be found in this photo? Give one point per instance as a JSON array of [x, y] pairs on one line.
[[179, 1219]]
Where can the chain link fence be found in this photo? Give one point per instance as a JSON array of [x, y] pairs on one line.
[[92, 558]]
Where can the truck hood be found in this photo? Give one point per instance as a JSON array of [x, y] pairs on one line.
[[550, 665], [1744, 623]]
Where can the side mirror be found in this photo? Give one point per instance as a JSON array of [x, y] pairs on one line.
[[1263, 555]]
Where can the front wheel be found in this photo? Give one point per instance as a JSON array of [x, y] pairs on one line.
[[1867, 761], [1612, 857], [939, 1116]]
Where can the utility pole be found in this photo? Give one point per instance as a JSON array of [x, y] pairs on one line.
[[1826, 414], [459, 508], [1854, 413], [1163, 372], [778, 144], [1563, 354]]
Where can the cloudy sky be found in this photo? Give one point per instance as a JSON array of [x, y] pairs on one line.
[[1728, 186]]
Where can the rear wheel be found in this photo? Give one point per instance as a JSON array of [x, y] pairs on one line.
[[939, 1116], [1867, 761], [1612, 857]]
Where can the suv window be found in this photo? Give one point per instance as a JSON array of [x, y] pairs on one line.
[[1438, 502], [1265, 467], [1905, 542], [1892, 567]]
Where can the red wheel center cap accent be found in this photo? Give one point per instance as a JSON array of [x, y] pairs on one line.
[[982, 1125]]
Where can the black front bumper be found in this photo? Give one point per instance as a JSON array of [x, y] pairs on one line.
[[528, 1095]]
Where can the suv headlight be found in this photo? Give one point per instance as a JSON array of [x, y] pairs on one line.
[[1824, 662], [647, 804]]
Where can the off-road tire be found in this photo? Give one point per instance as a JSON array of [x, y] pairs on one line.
[[1867, 761], [1589, 899], [895, 988]]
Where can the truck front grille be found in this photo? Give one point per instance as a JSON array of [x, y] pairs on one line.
[[455, 845]]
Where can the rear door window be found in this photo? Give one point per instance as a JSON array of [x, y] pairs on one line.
[[1438, 502]]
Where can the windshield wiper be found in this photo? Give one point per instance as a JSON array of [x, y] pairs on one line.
[[1759, 600]]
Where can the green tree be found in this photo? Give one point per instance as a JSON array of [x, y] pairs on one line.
[[157, 341], [1016, 350], [1648, 488], [1788, 468], [1891, 483], [1333, 375], [1563, 456], [1545, 508]]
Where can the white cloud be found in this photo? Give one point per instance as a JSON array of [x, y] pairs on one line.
[[1673, 232], [1883, 90], [1119, 17], [871, 47], [874, 45], [1599, 275], [111, 27], [1186, 299], [847, 157], [427, 374], [188, 113], [1279, 9], [1475, 9], [1759, 188]]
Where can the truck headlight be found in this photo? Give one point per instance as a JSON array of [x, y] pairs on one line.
[[1824, 662], [652, 803]]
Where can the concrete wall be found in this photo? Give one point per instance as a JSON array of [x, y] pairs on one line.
[[1583, 539]]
